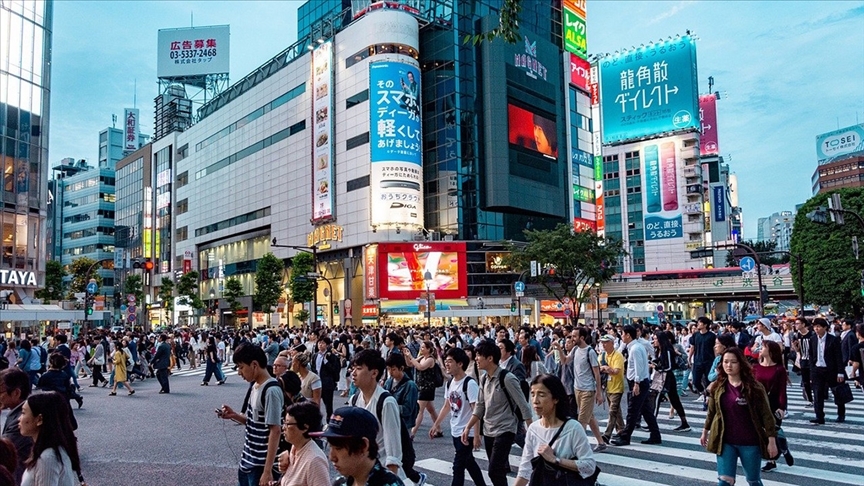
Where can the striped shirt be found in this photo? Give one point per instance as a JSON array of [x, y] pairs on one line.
[[258, 422]]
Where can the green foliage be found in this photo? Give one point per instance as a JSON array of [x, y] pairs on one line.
[[831, 273], [268, 282], [54, 273], [571, 262], [508, 25], [763, 248], [302, 289], [134, 285], [233, 292], [302, 316], [187, 291], [166, 294], [82, 270]]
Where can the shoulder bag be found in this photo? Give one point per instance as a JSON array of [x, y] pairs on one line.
[[545, 473], [842, 394]]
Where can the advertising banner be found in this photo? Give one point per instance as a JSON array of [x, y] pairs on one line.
[[403, 267], [575, 33], [193, 51], [661, 198], [840, 143], [708, 142], [130, 129], [580, 73], [577, 6], [370, 272], [323, 193], [532, 131], [719, 203], [395, 144], [582, 224], [649, 91], [583, 194]]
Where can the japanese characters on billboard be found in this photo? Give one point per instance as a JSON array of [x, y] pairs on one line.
[[532, 131], [718, 202], [579, 7], [662, 200], [649, 91], [323, 194], [582, 224], [840, 143], [580, 73], [193, 51], [402, 269], [370, 271], [575, 33], [130, 129], [708, 143], [395, 144]]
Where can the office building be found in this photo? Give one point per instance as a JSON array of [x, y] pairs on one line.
[[839, 159], [777, 228]]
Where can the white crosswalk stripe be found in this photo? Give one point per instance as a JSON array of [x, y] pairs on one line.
[[824, 455]]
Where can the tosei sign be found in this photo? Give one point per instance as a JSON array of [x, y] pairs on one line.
[[840, 143]]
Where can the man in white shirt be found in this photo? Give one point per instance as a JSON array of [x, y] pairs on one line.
[[764, 332], [640, 384]]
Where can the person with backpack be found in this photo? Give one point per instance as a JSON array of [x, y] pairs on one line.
[[403, 389], [429, 378], [460, 399], [395, 450], [262, 417], [502, 407]]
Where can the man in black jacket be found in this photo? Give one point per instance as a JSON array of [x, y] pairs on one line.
[[326, 365], [161, 362], [826, 369]]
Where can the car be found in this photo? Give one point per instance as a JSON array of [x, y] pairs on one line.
[[116, 329]]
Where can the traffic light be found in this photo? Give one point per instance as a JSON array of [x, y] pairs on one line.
[[819, 215], [862, 283], [147, 264], [89, 303], [512, 307], [336, 308]]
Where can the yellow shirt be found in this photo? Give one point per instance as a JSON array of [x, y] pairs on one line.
[[615, 361]]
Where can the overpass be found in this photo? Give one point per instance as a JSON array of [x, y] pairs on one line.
[[715, 288]]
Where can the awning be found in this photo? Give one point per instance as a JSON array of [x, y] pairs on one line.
[[555, 315], [411, 306], [42, 312]]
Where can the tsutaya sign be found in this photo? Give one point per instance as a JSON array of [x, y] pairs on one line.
[[323, 234], [17, 277]]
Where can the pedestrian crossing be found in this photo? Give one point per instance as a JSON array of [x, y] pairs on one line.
[[200, 371], [825, 455]]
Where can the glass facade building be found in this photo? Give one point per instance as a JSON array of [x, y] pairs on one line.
[[25, 60]]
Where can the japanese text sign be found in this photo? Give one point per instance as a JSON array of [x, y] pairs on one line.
[[708, 142], [839, 144], [661, 198], [580, 72], [575, 34], [130, 129], [323, 195], [193, 51]]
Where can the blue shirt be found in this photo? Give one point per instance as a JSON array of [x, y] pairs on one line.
[[637, 362]]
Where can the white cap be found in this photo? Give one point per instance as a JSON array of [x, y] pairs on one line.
[[765, 322]]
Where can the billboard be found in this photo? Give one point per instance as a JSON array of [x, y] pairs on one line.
[[370, 271], [402, 270], [193, 51], [840, 143], [395, 149], [580, 72], [130, 129], [323, 193], [531, 131], [649, 91], [575, 33], [661, 198], [708, 142], [718, 203]]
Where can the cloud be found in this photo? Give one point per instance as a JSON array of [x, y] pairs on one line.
[[671, 12]]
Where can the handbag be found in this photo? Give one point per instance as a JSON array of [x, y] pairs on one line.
[[545, 473], [658, 381], [842, 394]]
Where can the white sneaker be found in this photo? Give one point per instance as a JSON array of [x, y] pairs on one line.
[[698, 399], [423, 477]]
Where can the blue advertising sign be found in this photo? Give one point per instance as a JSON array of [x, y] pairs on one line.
[[660, 228], [840, 144], [650, 90], [719, 204], [395, 150]]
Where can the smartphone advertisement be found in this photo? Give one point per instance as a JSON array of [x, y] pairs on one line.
[[661, 194], [406, 269]]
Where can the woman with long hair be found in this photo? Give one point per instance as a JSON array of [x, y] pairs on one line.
[[771, 373], [570, 450], [120, 376], [54, 458], [739, 424], [211, 354], [424, 364], [531, 362], [665, 352]]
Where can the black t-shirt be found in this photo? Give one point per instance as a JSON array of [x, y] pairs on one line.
[[703, 347], [855, 356]]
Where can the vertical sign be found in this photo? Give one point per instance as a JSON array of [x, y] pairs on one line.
[[370, 272], [395, 148], [719, 203], [580, 73], [322, 133], [708, 142], [660, 196], [575, 33], [130, 129]]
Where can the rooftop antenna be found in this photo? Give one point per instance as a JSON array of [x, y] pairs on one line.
[[135, 94], [113, 121]]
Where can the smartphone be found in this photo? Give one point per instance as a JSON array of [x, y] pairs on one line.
[[219, 411]]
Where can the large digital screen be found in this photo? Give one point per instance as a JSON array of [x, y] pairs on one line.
[[532, 131], [649, 91], [403, 268]]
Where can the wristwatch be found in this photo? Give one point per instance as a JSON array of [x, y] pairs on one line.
[[557, 461]]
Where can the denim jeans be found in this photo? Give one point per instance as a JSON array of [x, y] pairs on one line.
[[220, 376], [498, 452], [751, 461], [250, 478], [464, 459]]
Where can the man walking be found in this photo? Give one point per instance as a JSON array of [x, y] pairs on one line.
[[586, 383], [640, 387], [326, 365], [14, 390], [826, 369], [612, 365], [162, 362], [801, 345], [702, 354]]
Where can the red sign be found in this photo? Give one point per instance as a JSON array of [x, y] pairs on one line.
[[370, 310], [577, 6], [595, 93], [403, 268], [582, 224], [600, 224], [187, 266], [370, 275], [708, 142], [580, 72]]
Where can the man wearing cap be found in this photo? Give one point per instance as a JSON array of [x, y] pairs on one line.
[[765, 333], [612, 365], [352, 433], [826, 369]]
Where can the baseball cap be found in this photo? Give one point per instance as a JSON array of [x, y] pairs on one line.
[[607, 338], [351, 422], [765, 322]]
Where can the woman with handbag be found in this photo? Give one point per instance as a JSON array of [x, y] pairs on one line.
[[665, 377], [740, 423], [771, 373], [424, 365], [556, 449]]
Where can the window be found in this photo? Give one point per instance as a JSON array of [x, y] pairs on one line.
[[357, 99], [182, 179], [182, 206], [357, 141], [358, 183], [182, 233], [227, 223]]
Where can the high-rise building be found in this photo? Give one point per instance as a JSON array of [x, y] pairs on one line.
[[25, 63], [777, 228], [840, 159]]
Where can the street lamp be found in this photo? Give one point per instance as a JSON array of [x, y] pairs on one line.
[[428, 278]]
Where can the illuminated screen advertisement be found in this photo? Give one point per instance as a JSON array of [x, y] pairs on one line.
[[323, 194], [840, 143], [708, 141], [403, 266], [395, 144], [532, 131], [649, 91], [661, 198]]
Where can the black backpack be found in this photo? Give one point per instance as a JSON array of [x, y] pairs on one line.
[[464, 385], [513, 408], [284, 445], [408, 455]]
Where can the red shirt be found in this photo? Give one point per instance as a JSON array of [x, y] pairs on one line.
[[739, 428], [773, 378]]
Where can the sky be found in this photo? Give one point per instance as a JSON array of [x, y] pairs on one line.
[[786, 71]]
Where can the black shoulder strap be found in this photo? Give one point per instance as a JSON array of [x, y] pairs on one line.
[[555, 437], [264, 389], [246, 400], [465, 385], [379, 407], [503, 387]]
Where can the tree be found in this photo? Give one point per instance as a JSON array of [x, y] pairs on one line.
[[232, 294], [166, 295], [508, 25], [268, 283], [82, 270], [187, 291], [571, 263], [763, 248], [832, 274], [54, 274], [302, 288]]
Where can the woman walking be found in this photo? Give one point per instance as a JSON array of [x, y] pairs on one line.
[[119, 360], [54, 459], [531, 362], [305, 464], [424, 365], [771, 373], [739, 424], [212, 357], [666, 356]]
